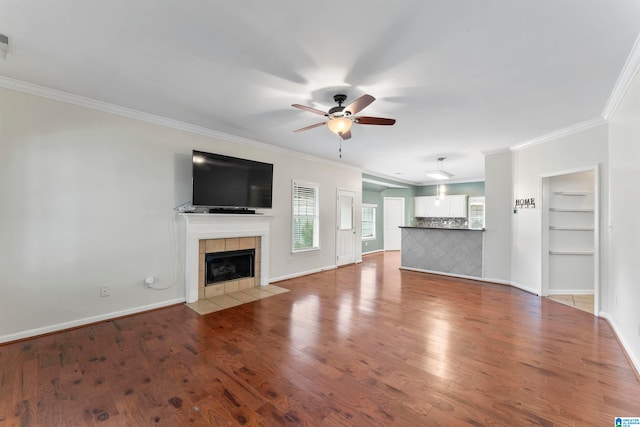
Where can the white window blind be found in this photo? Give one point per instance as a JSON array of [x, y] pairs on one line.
[[368, 222], [306, 221]]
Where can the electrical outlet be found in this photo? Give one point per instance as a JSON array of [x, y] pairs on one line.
[[104, 291]]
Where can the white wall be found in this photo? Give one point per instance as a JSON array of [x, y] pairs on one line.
[[87, 200], [498, 207], [622, 305], [579, 150]]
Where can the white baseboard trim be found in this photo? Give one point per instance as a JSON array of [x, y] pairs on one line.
[[571, 292], [635, 360], [86, 321], [373, 252], [440, 273], [526, 288], [304, 273], [498, 281], [479, 279]]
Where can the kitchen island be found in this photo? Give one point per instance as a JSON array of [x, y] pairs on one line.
[[451, 251]]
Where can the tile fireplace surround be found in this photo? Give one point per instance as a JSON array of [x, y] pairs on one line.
[[223, 226]]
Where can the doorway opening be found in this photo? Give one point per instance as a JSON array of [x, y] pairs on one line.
[[570, 238]]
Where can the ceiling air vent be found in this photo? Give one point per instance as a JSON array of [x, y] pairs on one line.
[[4, 46]]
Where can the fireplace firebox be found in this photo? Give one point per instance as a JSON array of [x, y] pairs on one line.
[[229, 265]]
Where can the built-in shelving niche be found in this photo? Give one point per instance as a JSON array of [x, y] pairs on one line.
[[570, 234]]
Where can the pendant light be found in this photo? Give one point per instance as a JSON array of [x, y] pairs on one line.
[[440, 174]]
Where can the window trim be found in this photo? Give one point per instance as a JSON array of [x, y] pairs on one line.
[[316, 232], [375, 208]]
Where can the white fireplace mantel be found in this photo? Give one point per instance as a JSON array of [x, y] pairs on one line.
[[222, 226]]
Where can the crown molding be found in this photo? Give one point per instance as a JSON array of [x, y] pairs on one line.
[[495, 151], [450, 181], [383, 183], [578, 127], [627, 74], [423, 183], [388, 177], [81, 101]]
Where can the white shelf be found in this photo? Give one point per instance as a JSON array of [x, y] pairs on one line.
[[572, 193], [571, 210], [571, 253], [569, 239], [556, 227]]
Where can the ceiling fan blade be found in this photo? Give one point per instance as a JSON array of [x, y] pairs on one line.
[[309, 109], [364, 120], [359, 104], [310, 127], [346, 135]]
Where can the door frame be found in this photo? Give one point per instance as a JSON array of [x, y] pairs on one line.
[[544, 230]]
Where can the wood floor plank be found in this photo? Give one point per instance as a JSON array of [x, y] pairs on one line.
[[366, 344]]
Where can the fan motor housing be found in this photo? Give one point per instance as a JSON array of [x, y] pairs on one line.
[[336, 111], [339, 110]]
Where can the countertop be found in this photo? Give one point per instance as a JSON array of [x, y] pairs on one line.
[[443, 228]]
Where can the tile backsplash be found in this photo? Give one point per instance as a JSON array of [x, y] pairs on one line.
[[442, 222]]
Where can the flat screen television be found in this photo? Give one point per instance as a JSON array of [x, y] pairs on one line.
[[229, 182]]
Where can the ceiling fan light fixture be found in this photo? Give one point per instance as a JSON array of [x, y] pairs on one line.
[[339, 125], [439, 175]]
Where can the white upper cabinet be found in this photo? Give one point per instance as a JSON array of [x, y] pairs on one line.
[[420, 204], [458, 206], [444, 207]]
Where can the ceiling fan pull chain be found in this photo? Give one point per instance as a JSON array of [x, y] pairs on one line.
[[340, 149]]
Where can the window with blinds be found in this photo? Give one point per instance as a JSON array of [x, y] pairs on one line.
[[306, 217], [368, 222]]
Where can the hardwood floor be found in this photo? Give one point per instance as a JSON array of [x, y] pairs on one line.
[[364, 345]]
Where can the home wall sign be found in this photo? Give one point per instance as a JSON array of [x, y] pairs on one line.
[[529, 203]]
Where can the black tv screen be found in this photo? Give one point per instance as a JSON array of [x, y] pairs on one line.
[[230, 182]]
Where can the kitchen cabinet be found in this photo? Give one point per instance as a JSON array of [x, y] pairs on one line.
[[458, 206], [430, 207], [421, 206], [444, 207]]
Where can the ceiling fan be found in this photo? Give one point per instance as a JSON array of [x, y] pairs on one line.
[[340, 119]]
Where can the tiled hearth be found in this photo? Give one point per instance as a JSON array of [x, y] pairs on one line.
[[207, 246], [222, 302]]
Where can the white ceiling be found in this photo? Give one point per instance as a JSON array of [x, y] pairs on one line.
[[460, 77]]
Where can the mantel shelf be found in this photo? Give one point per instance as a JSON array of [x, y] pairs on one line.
[[556, 227]]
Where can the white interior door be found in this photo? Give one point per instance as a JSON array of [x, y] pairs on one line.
[[393, 218], [346, 228]]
